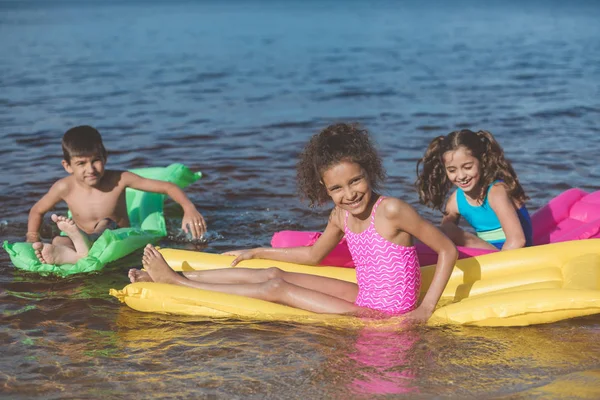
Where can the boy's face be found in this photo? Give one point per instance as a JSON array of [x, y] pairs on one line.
[[87, 170]]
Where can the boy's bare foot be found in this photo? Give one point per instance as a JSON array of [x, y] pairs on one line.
[[157, 267], [80, 241], [52, 254], [137, 275]]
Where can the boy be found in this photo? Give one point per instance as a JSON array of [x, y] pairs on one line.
[[96, 198]]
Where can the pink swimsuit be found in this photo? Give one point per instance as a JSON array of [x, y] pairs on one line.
[[388, 275]]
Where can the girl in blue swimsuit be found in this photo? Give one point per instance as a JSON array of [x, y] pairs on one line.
[[488, 195]]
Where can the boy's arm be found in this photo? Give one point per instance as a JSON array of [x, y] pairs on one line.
[[308, 255], [192, 222], [45, 204], [504, 208]]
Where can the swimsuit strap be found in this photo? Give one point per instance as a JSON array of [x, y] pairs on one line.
[[372, 214], [346, 221], [375, 209]]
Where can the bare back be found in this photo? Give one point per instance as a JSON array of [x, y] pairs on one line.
[[89, 205]]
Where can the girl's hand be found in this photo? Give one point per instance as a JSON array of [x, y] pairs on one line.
[[240, 255], [418, 315], [233, 252]]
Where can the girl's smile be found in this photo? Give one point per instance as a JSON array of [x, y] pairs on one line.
[[462, 169], [349, 188]]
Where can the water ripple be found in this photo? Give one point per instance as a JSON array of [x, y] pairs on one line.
[[235, 90]]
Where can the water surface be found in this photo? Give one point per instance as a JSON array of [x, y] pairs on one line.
[[234, 89]]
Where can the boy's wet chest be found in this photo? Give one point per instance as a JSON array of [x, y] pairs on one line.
[[97, 204]]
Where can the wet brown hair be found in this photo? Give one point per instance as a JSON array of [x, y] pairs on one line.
[[334, 144], [82, 141], [432, 182]]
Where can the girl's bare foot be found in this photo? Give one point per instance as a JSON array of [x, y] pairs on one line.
[[137, 275], [157, 267], [80, 241], [51, 254]]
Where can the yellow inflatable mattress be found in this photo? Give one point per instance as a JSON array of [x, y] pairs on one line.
[[528, 286]]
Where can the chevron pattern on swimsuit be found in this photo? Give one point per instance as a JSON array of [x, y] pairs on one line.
[[388, 275]]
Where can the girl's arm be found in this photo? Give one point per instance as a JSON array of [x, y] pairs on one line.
[[505, 210], [405, 218], [449, 226], [308, 255], [192, 221]]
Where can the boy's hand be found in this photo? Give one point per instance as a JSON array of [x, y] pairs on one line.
[[193, 223]]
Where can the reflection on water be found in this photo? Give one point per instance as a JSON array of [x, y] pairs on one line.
[[234, 89], [383, 362], [186, 357]]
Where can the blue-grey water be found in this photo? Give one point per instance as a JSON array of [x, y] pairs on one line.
[[234, 89]]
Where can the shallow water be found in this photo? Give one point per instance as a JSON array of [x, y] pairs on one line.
[[234, 89]]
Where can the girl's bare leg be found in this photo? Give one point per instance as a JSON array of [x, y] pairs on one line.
[[334, 287], [276, 290]]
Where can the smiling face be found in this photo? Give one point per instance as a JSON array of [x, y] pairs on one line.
[[463, 170], [348, 186], [87, 170]]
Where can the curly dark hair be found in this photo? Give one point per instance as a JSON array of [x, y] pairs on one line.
[[82, 141], [334, 144], [432, 182]]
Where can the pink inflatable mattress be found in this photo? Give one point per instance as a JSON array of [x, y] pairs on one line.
[[572, 215]]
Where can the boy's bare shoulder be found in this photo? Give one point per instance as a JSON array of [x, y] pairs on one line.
[[63, 186], [122, 174], [114, 172], [114, 177]]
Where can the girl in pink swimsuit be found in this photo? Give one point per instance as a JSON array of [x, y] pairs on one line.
[[339, 164], [388, 274]]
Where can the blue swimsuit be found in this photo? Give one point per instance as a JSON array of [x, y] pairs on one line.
[[485, 222]]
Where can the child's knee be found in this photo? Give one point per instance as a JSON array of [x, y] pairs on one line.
[[274, 288], [273, 273]]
